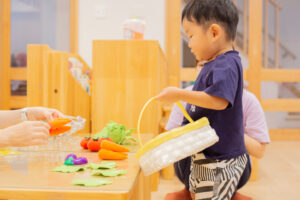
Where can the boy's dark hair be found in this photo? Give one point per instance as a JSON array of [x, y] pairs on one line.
[[206, 12]]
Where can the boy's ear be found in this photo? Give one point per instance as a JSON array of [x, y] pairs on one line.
[[215, 31]]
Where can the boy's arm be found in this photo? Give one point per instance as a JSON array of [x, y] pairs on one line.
[[203, 100], [254, 148], [198, 98]]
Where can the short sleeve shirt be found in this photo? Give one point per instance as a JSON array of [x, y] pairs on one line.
[[222, 77]]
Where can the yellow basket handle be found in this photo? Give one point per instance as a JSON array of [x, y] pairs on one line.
[[186, 115]]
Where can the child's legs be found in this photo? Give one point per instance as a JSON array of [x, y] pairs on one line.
[[182, 171], [246, 174], [216, 180], [202, 177]]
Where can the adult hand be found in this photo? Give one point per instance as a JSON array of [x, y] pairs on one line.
[[25, 134], [41, 113]]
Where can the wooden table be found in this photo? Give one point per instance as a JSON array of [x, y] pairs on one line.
[[29, 176]]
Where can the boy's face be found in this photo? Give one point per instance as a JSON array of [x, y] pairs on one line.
[[202, 41]]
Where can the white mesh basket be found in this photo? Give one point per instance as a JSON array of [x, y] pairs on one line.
[[176, 144]]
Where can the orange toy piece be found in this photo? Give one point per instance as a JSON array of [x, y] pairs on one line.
[[59, 122], [58, 126], [108, 145], [60, 130], [110, 155]]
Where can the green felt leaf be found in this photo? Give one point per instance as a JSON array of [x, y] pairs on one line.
[[67, 169], [102, 165], [92, 182], [108, 173]]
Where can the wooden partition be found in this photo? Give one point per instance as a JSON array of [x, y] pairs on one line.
[[125, 75], [4, 54], [51, 84], [8, 73]]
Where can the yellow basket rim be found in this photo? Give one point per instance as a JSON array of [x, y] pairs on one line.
[[174, 133]]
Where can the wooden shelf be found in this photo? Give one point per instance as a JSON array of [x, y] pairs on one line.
[[18, 73]]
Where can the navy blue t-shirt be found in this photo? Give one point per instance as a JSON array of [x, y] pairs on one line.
[[222, 77]]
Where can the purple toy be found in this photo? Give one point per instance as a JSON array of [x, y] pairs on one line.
[[71, 155], [80, 161]]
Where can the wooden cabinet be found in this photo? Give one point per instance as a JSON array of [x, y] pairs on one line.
[[125, 75]]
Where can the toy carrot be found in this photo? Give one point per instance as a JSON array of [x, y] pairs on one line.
[[60, 130], [105, 144], [110, 155], [123, 153], [59, 122]]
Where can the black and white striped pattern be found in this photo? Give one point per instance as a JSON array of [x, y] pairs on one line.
[[213, 179]]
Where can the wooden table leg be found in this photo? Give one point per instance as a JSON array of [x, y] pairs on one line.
[[142, 190], [168, 172], [254, 172], [155, 181]]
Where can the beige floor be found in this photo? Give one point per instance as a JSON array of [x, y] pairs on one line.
[[279, 175]]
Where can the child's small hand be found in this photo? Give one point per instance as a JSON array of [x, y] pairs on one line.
[[169, 95], [26, 133], [40, 113]]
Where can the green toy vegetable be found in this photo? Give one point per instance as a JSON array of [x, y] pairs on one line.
[[117, 133]]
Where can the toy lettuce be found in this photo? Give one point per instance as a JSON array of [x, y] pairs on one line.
[[117, 133]]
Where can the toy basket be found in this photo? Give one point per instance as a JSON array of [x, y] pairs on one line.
[[176, 144]]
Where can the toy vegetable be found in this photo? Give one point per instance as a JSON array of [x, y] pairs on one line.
[[113, 146], [116, 132], [72, 159], [112, 151], [111, 155], [93, 144], [84, 142], [59, 122], [58, 126], [60, 130]]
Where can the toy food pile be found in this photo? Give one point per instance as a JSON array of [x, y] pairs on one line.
[[107, 149], [58, 126], [109, 142]]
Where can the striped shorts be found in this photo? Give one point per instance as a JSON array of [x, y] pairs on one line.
[[215, 179]]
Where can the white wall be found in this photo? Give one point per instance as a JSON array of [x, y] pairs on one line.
[[39, 22], [114, 13]]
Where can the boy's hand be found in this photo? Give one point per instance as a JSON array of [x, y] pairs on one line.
[[40, 113], [26, 133], [169, 95]]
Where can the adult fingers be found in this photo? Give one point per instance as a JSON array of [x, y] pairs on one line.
[[41, 124]]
